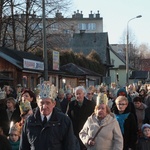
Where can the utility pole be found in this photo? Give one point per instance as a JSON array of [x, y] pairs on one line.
[[127, 50], [44, 44]]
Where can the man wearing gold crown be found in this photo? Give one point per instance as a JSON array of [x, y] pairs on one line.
[[48, 128]]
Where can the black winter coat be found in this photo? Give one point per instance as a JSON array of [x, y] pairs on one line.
[[130, 130], [5, 122], [4, 143], [147, 115], [143, 144], [79, 114], [57, 134]]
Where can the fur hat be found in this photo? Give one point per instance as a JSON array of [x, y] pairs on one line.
[[146, 125]]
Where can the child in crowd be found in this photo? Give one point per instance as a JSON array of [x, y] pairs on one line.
[[144, 142], [140, 112], [14, 136], [4, 142]]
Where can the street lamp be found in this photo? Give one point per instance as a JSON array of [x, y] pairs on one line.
[[127, 50]]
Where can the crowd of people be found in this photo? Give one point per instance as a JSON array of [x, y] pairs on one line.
[[93, 118]]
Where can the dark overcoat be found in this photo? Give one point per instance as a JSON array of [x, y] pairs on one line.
[[79, 114], [130, 129], [4, 120], [57, 134]]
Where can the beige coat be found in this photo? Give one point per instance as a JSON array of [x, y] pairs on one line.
[[109, 138]]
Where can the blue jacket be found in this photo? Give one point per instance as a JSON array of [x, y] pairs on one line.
[[57, 134]]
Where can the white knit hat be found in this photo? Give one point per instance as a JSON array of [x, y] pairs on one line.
[[146, 125]]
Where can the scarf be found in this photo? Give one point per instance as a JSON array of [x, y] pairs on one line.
[[14, 145], [121, 119]]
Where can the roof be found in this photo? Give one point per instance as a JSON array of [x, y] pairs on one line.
[[77, 70], [118, 55], [85, 42], [139, 75], [16, 57], [122, 58]]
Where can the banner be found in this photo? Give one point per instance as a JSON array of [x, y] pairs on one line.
[[55, 60]]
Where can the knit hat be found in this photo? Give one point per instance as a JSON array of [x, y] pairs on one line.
[[122, 90], [146, 125]]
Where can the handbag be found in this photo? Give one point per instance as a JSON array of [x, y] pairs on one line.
[[97, 133]]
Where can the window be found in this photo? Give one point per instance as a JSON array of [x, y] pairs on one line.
[[82, 26], [32, 83], [91, 26], [24, 81], [112, 61], [9, 28], [66, 31], [54, 80], [54, 26], [40, 25], [87, 26]]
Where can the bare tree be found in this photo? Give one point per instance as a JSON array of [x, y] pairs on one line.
[[134, 60], [133, 50], [22, 28], [144, 51]]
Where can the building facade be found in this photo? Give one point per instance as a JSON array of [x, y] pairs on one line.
[[27, 29]]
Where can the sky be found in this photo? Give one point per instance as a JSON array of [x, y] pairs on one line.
[[116, 14]]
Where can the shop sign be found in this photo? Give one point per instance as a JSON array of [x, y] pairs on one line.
[[32, 64]]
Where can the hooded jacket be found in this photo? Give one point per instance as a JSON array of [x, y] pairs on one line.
[[131, 107], [109, 137]]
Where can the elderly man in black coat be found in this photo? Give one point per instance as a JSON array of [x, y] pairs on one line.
[[79, 110], [48, 128]]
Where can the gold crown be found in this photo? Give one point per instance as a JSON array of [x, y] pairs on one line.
[[2, 94], [101, 99], [24, 107], [47, 90]]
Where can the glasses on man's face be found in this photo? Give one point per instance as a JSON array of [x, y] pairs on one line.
[[121, 104]]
